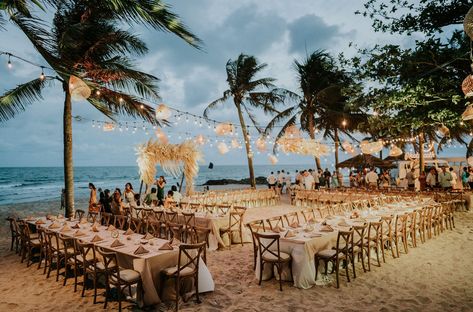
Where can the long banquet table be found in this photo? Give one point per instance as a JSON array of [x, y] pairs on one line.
[[304, 245], [149, 265]]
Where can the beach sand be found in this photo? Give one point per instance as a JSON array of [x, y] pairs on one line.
[[436, 276]]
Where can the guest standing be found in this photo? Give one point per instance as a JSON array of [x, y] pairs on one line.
[[161, 183], [129, 194], [372, 179], [464, 177], [328, 177], [445, 179], [93, 198], [410, 176], [117, 204], [335, 180], [422, 181], [308, 181], [175, 194], [454, 178], [431, 178], [271, 181]]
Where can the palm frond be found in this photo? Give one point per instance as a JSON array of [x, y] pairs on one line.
[[289, 123], [214, 104], [15, 100], [252, 118]]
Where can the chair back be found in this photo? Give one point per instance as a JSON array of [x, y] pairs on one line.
[[374, 231], [235, 220], [171, 216], [387, 225], [175, 229], [265, 242], [222, 209], [359, 234], [79, 214], [401, 223], [92, 216], [189, 219], [274, 222], [87, 251], [159, 215], [135, 225], [308, 214], [110, 262], [154, 227], [344, 241], [120, 222], [189, 257], [291, 218], [106, 218], [52, 241]]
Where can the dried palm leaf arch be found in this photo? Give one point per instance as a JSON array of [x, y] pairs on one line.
[[175, 159]]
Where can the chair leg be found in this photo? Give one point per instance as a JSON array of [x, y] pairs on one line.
[[58, 262], [353, 265], [83, 283], [336, 273], [316, 261], [279, 266], [95, 287], [197, 296], [177, 294], [261, 265]]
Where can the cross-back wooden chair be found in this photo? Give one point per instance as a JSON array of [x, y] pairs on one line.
[[373, 241], [120, 222], [275, 222], [255, 227], [189, 224], [235, 225], [106, 218], [79, 214], [292, 218]]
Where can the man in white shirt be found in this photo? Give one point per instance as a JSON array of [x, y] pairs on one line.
[[372, 179], [315, 175], [299, 177], [271, 181], [308, 181]]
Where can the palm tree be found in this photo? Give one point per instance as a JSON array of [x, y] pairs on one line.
[[321, 104], [85, 42], [248, 92]]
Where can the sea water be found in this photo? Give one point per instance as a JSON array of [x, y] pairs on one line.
[[30, 184]]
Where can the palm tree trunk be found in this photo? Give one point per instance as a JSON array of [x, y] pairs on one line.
[[421, 152], [312, 136], [337, 143], [68, 164], [247, 145]]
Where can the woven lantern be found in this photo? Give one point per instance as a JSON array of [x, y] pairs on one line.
[[348, 147], [395, 151], [468, 23], [235, 143], [163, 112], [273, 159], [313, 148], [200, 139], [371, 148], [261, 145], [162, 137], [222, 148], [468, 113], [78, 88], [224, 129], [467, 86]]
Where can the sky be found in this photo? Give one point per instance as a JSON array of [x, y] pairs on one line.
[[275, 31]]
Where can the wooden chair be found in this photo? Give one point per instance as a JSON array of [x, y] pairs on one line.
[[92, 216], [174, 230], [223, 209], [187, 267], [400, 233], [171, 216], [292, 218], [373, 241], [15, 235], [387, 235], [255, 227], [106, 218], [55, 253], [189, 224], [120, 222], [235, 225], [308, 215], [359, 238], [135, 225], [31, 244], [117, 276], [79, 214], [266, 244], [200, 235], [67, 247], [411, 228], [275, 222], [342, 252]]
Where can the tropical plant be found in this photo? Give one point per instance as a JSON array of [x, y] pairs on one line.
[[322, 103], [11, 7], [85, 41], [249, 92]]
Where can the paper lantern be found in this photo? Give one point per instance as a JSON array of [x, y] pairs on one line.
[[261, 144], [467, 86], [444, 130], [162, 137], [395, 151], [468, 113], [163, 112], [348, 147], [235, 143], [200, 139], [222, 148], [273, 159], [79, 89], [468, 23], [108, 126], [224, 129]]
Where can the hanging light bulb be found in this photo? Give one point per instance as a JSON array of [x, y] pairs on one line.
[[97, 92], [142, 106], [42, 73], [9, 64]]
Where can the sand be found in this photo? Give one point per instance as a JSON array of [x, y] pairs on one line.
[[436, 276]]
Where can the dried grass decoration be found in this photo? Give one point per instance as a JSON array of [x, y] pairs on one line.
[[313, 148], [291, 140], [444, 130], [79, 89], [200, 139], [235, 143], [273, 159], [348, 147], [162, 137], [175, 159], [163, 112], [224, 129], [371, 148], [395, 151]]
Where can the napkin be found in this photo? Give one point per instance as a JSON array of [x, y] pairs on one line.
[[343, 223], [96, 238], [290, 233], [76, 226], [95, 228], [278, 229], [312, 235], [83, 221], [326, 228], [117, 243], [40, 222], [79, 233], [166, 246], [141, 250], [66, 228], [294, 224], [54, 226], [111, 228], [129, 232], [148, 236]]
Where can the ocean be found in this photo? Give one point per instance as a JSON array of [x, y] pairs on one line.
[[33, 184]]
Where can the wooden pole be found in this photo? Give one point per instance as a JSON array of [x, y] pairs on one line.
[[182, 181]]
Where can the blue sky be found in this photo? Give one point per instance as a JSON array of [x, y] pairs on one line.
[[275, 31]]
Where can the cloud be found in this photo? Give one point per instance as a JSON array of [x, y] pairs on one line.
[[310, 32]]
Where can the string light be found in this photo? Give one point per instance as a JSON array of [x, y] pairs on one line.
[[42, 73], [9, 64]]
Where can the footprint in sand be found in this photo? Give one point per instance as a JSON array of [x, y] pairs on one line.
[[424, 300]]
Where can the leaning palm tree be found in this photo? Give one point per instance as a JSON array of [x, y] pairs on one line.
[[321, 101], [11, 7], [248, 92], [85, 42]]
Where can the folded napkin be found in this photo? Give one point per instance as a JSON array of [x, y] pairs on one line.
[[96, 238], [175, 242], [312, 235], [290, 234], [76, 226], [278, 229], [148, 236], [79, 233], [95, 228], [55, 225], [83, 221], [141, 250], [166, 246], [129, 232], [343, 223], [117, 243], [111, 228], [40, 221], [294, 224], [326, 228], [309, 228], [66, 228]]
